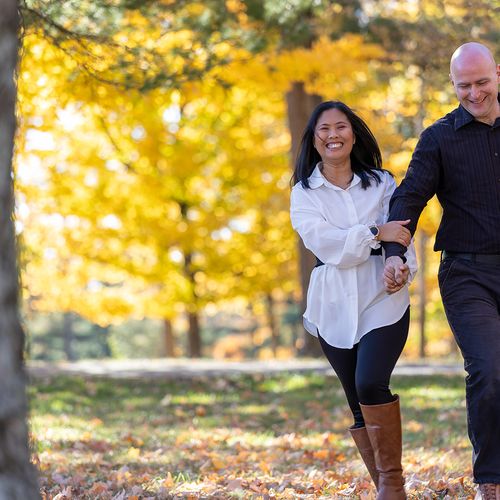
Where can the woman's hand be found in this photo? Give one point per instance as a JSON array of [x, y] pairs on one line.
[[396, 274], [395, 231]]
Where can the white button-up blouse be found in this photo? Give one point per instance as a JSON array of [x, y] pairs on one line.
[[346, 297]]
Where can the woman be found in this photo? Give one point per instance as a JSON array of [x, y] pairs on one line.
[[339, 205]]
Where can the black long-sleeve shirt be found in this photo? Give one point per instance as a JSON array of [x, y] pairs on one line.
[[458, 159]]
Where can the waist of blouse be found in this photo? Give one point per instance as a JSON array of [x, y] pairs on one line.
[[374, 251]]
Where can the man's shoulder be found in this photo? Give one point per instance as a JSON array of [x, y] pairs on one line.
[[442, 127], [445, 121]]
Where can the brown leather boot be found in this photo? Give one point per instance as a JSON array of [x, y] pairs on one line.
[[488, 491], [360, 436], [383, 424]]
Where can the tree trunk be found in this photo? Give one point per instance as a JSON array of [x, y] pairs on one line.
[[106, 348], [194, 338], [294, 325], [68, 336], [271, 321], [253, 328], [300, 105], [454, 350], [168, 335], [17, 475], [422, 254]]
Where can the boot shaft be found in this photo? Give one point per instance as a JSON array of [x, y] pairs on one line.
[[383, 425], [364, 445]]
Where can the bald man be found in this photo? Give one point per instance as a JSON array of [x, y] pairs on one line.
[[458, 159]]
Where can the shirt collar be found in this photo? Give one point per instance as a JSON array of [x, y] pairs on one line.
[[316, 179], [463, 117]]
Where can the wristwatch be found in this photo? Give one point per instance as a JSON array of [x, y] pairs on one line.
[[374, 230]]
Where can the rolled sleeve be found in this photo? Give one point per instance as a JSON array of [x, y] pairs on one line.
[[411, 261]]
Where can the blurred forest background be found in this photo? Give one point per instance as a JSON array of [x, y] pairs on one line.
[[153, 163]]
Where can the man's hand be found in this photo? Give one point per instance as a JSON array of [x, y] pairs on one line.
[[396, 274], [395, 231]]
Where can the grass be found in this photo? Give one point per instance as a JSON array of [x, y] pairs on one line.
[[260, 436]]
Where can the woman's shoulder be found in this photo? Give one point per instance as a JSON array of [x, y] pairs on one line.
[[299, 194], [381, 179], [387, 179], [306, 187], [387, 175]]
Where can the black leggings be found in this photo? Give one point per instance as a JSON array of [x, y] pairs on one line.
[[365, 370]]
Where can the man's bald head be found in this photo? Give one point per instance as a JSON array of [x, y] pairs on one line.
[[470, 52], [475, 77]]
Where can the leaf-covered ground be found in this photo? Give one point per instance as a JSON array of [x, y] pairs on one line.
[[258, 437]]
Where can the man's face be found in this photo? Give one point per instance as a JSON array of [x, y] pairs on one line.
[[476, 84]]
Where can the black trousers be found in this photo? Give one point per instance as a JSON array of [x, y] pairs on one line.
[[365, 370], [471, 299]]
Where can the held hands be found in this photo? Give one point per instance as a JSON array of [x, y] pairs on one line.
[[395, 231], [396, 274]]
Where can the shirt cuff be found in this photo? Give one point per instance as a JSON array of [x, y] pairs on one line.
[[394, 249], [372, 242]]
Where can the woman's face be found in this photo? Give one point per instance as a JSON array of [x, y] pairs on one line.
[[333, 136]]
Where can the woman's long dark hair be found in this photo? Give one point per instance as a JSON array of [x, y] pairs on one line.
[[365, 155]]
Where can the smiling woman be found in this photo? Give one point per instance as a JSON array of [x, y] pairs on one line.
[[339, 207], [334, 139], [352, 148]]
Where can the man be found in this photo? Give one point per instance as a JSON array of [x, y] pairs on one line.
[[458, 159]]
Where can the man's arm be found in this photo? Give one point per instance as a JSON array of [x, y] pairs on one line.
[[417, 188]]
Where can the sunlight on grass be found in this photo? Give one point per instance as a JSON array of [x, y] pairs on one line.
[[254, 409], [436, 393], [194, 398], [290, 383]]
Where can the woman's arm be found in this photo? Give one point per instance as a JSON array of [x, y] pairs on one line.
[[332, 245]]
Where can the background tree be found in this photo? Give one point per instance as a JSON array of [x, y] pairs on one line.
[[185, 40], [155, 140], [17, 475], [183, 192]]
